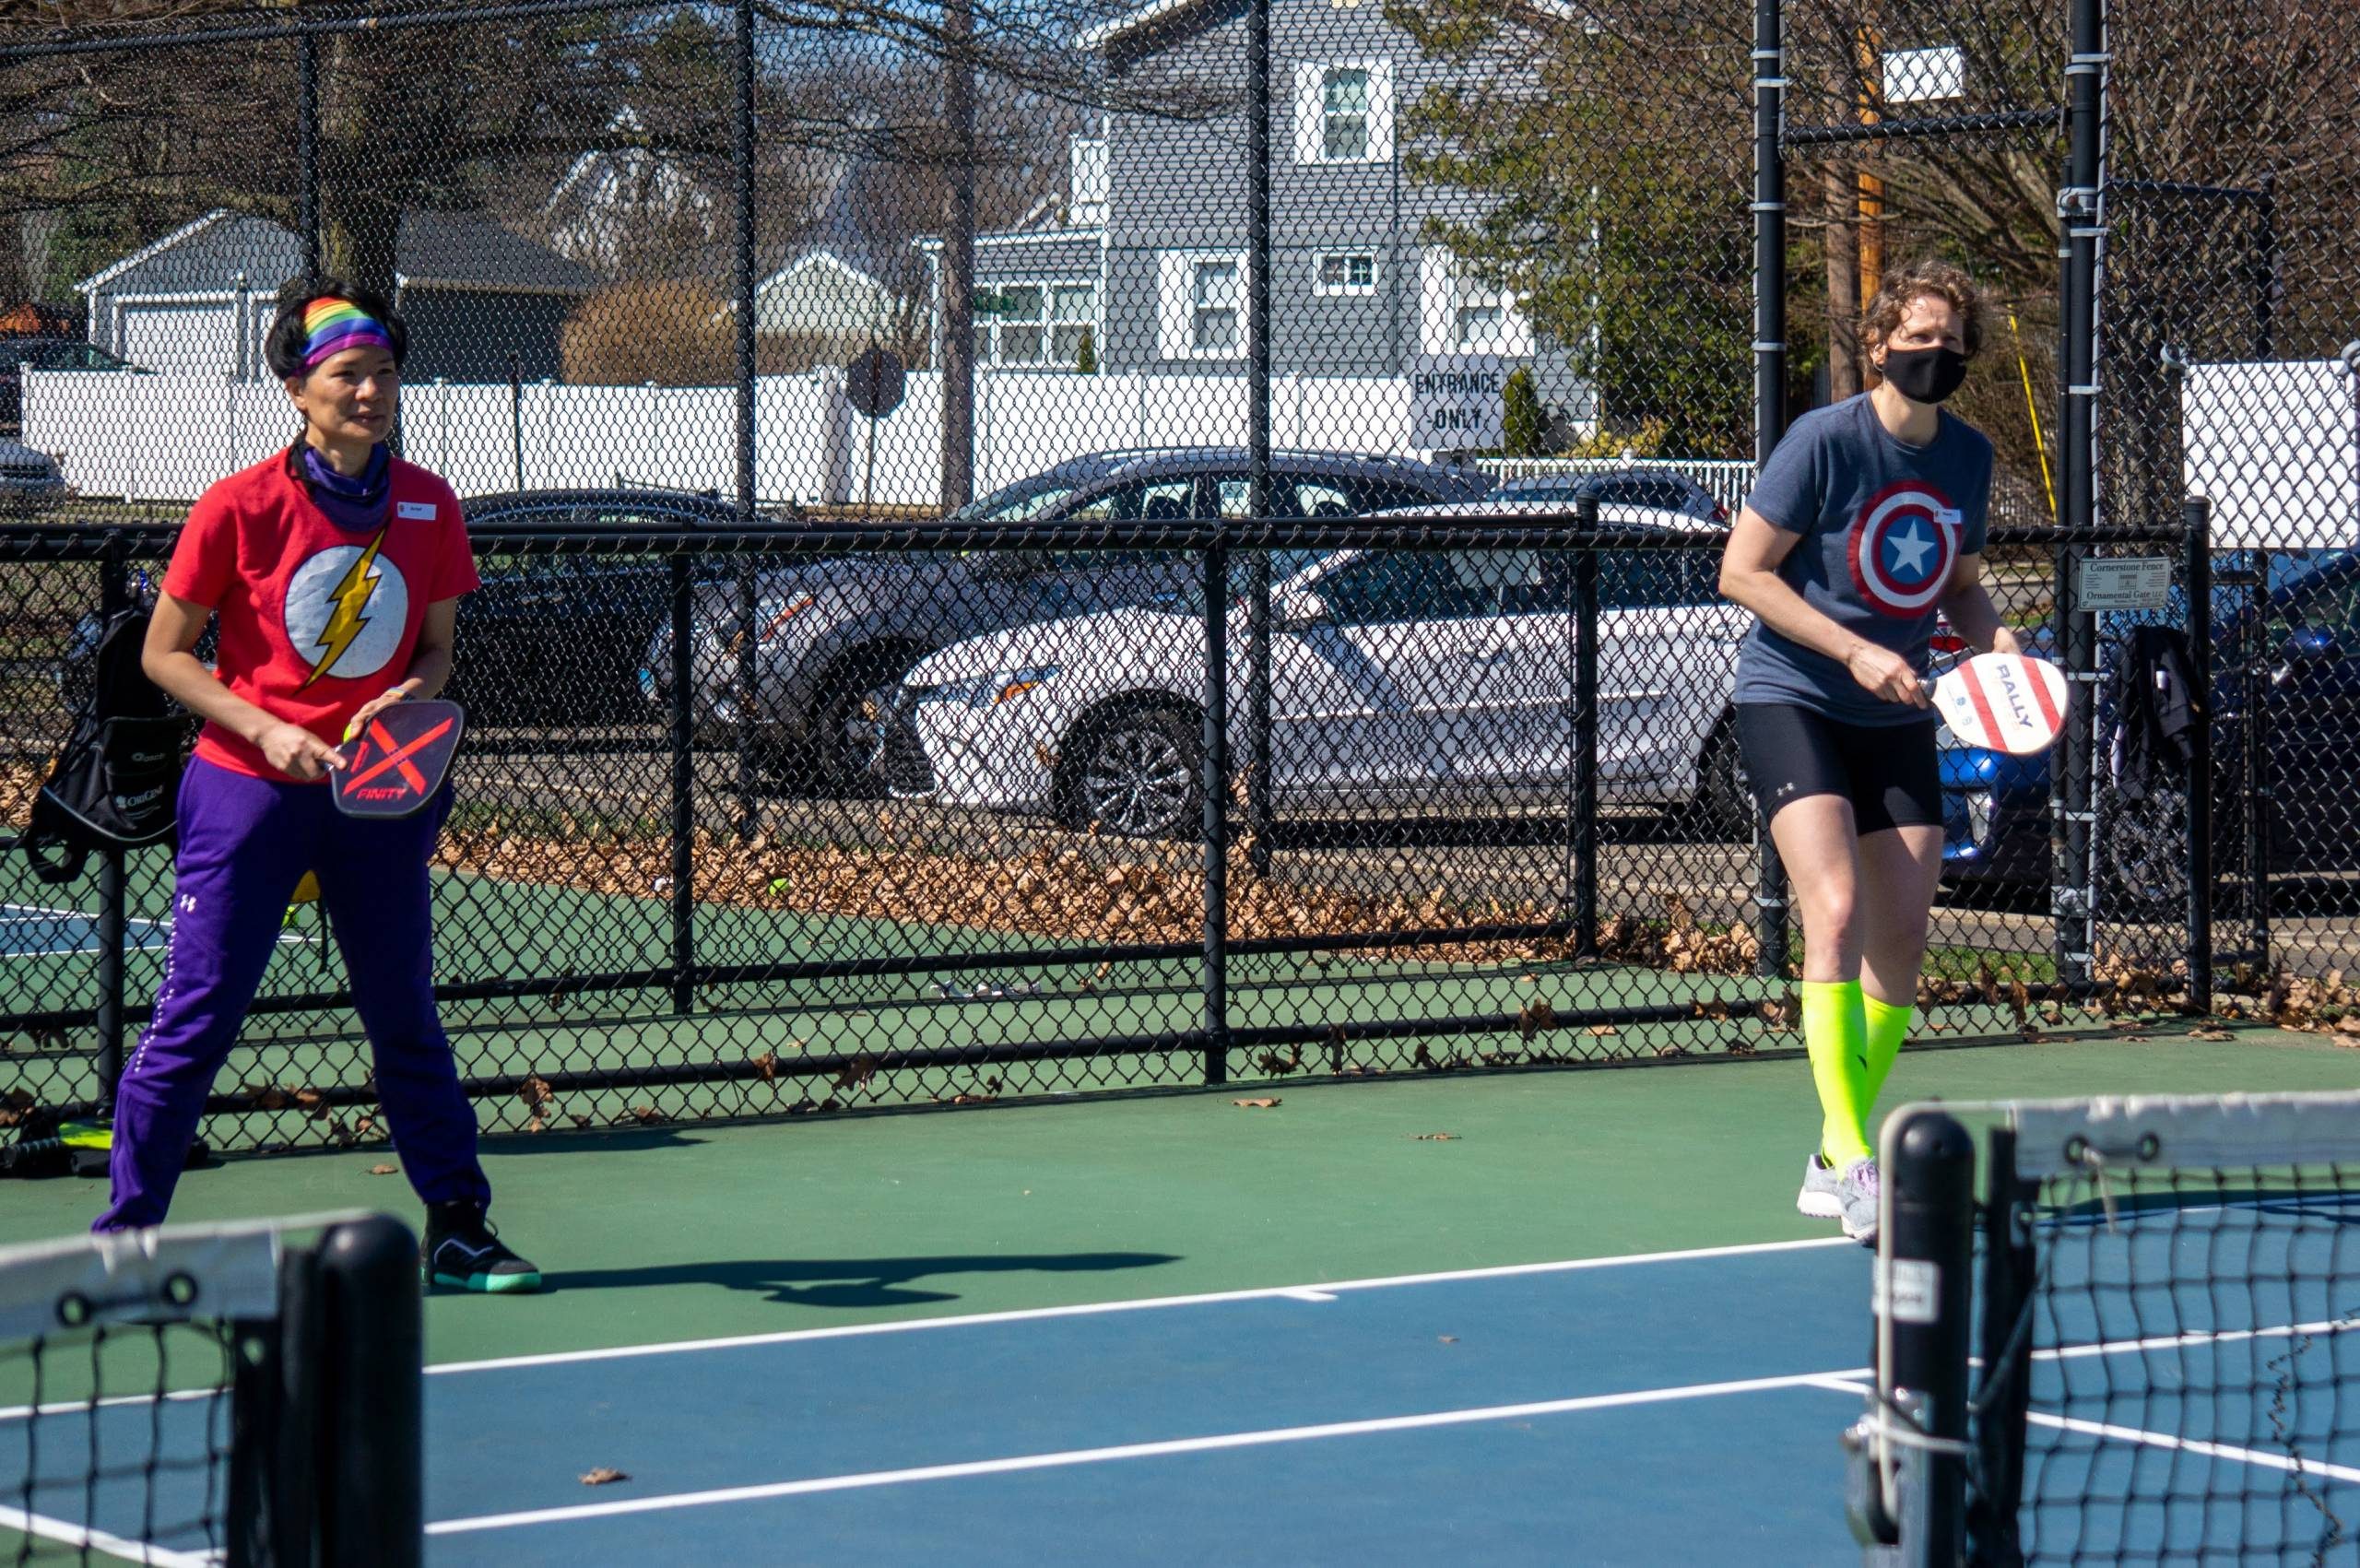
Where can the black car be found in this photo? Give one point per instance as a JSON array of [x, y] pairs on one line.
[[46, 354], [554, 635], [831, 638]]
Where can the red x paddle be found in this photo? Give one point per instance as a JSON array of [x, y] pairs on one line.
[[400, 759]]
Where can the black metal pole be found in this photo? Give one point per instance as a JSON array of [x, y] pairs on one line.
[[114, 921], [2260, 777], [743, 152], [1215, 775], [1925, 1267], [2266, 267], [372, 1431], [516, 418], [2081, 221], [2198, 567], [1585, 737], [2006, 1392], [1769, 385], [307, 149], [684, 929], [1257, 431]]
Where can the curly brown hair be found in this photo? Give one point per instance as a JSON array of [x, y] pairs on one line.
[[1904, 285]]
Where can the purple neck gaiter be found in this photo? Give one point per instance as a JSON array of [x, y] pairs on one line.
[[356, 503]]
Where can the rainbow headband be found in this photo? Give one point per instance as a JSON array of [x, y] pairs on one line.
[[332, 325]]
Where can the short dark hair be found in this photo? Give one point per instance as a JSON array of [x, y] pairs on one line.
[[1903, 286], [282, 347]]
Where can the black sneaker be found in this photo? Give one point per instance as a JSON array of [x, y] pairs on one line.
[[463, 1251]]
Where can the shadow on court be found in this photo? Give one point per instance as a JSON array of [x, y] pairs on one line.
[[849, 1282]]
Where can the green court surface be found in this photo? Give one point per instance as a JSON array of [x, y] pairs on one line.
[[693, 1233]]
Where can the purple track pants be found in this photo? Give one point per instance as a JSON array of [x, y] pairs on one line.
[[244, 844]]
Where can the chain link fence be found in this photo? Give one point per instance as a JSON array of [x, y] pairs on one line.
[[1039, 552]]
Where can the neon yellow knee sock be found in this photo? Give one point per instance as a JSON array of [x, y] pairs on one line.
[[1835, 1034], [1888, 1027]]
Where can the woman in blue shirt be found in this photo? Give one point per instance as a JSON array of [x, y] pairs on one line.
[[1867, 526]]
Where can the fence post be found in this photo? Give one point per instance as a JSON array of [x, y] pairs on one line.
[[1925, 1275], [744, 159], [115, 923], [1769, 207], [684, 930], [2199, 569], [307, 148], [1586, 730], [2081, 212], [1257, 432], [2259, 776], [1216, 791]]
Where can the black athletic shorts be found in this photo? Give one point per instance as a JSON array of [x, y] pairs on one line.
[[1889, 772]]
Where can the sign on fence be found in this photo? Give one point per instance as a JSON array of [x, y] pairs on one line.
[[1458, 400]]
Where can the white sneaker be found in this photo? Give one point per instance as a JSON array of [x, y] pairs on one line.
[[1819, 1197], [1858, 1193]]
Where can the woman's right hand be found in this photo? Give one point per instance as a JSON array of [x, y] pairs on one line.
[[297, 752], [1888, 675]]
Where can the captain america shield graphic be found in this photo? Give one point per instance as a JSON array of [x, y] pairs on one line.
[[1904, 543]]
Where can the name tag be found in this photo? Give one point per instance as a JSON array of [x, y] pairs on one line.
[[1948, 516], [424, 510]]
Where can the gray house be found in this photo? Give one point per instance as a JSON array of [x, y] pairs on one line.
[[1151, 249], [481, 301]]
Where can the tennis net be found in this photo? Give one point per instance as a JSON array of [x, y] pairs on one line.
[[2139, 1344], [247, 1394]]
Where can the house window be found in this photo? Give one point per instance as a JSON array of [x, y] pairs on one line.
[[1343, 111], [1478, 316], [1033, 324], [1347, 272], [1201, 305], [1213, 301]]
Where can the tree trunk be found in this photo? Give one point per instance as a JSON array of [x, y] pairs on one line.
[[957, 305], [1843, 248]]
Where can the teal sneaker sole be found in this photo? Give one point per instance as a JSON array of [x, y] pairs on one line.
[[489, 1284]]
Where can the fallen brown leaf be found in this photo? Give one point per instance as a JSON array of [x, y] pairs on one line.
[[383, 1169], [2210, 1034], [1262, 1104], [603, 1476], [536, 1092], [767, 1064], [1435, 1137]]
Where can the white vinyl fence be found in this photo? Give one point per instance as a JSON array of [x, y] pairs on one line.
[[167, 437]]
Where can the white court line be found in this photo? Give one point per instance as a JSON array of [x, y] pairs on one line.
[[2194, 1336], [72, 1406], [1025, 1314], [1137, 1451], [99, 1540], [2196, 1445]]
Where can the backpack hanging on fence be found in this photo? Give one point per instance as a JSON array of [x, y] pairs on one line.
[[116, 785]]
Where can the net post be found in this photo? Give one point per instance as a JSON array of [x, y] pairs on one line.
[[371, 1429], [1998, 1410], [2197, 517], [1925, 1264]]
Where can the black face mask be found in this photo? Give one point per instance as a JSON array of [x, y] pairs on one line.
[[1925, 375]]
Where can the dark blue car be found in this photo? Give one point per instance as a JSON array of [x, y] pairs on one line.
[[2299, 639]]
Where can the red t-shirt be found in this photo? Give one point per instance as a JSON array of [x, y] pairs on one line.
[[315, 620]]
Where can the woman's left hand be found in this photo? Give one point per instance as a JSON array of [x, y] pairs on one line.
[[2004, 641], [372, 708]]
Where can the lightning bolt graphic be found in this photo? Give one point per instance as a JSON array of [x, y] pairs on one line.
[[352, 595]]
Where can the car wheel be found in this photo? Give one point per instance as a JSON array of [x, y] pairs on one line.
[[846, 733], [1139, 774], [1724, 793]]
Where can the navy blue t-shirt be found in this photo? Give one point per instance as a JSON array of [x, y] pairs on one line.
[[1883, 523]]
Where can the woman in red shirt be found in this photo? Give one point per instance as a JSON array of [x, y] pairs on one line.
[[336, 571]]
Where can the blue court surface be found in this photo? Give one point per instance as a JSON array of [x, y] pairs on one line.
[[30, 931], [1677, 1408]]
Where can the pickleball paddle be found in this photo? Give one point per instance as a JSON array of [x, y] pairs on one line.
[[2004, 702], [398, 761]]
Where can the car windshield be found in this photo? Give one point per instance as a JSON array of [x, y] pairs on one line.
[[1018, 502]]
